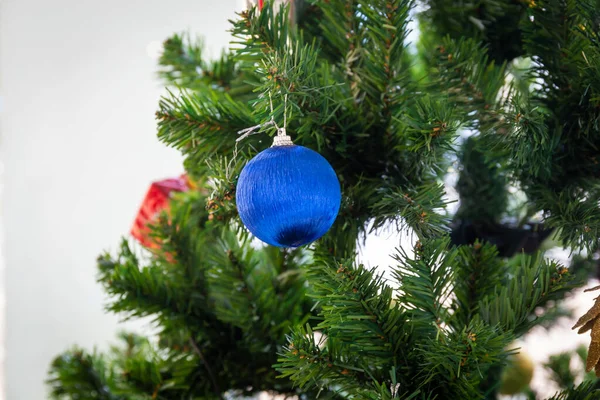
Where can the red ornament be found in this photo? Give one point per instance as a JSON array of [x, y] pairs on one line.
[[156, 200], [261, 3]]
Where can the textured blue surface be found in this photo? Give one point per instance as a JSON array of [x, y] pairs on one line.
[[288, 196]]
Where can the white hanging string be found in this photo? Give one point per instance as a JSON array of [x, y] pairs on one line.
[[282, 139], [249, 131], [285, 111], [244, 133]]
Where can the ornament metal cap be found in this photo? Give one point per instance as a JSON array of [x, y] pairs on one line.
[[282, 139]]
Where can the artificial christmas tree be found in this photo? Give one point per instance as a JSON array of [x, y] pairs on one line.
[[236, 318]]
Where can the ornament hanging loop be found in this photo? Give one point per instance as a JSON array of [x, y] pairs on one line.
[[282, 139]]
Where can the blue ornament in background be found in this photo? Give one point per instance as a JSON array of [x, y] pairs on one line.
[[288, 195]]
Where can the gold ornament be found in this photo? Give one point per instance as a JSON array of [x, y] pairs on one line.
[[517, 374], [591, 321]]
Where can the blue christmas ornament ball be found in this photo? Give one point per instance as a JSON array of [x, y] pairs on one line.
[[288, 196]]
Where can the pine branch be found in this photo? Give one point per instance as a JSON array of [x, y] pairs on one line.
[[201, 125], [462, 70], [182, 64], [430, 127], [134, 371], [367, 40], [261, 31], [426, 283], [479, 272], [223, 172], [456, 362], [174, 275], [555, 133], [207, 283], [260, 291], [574, 212], [419, 208], [585, 391], [139, 291], [234, 296], [211, 374], [382, 76], [482, 184], [316, 363], [142, 372], [357, 311], [559, 366], [313, 92], [536, 281], [359, 338], [496, 24], [532, 144], [76, 374], [333, 23]]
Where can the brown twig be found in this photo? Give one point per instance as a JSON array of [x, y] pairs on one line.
[[208, 369]]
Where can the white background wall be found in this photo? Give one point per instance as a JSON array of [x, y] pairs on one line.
[[78, 149]]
